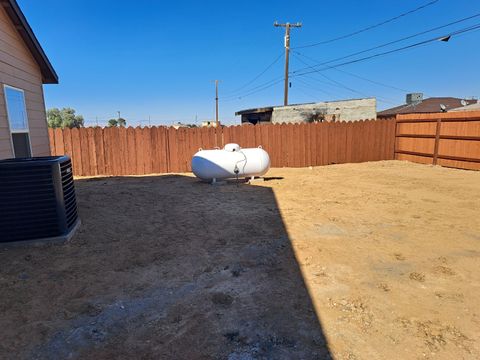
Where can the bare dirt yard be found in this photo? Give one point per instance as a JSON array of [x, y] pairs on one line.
[[358, 261]]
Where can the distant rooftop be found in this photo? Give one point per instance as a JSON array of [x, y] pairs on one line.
[[429, 105], [255, 110], [270, 108], [471, 107]]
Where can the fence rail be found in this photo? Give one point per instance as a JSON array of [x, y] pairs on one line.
[[138, 151], [447, 139]]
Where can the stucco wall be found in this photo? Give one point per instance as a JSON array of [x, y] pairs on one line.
[[20, 70], [348, 110]]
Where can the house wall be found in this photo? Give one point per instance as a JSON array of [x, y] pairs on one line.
[[19, 69], [348, 110]]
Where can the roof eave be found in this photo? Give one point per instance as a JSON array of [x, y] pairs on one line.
[[49, 76], [254, 111]]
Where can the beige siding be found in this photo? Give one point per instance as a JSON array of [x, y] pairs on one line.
[[19, 69]]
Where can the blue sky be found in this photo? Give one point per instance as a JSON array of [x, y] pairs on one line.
[[159, 59]]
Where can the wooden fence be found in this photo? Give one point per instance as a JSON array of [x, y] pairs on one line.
[[137, 151], [448, 139]]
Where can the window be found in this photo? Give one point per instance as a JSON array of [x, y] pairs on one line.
[[18, 121]]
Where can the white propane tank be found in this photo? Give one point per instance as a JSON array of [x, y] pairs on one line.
[[230, 162]]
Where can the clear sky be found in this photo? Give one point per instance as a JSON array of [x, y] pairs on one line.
[[159, 58]]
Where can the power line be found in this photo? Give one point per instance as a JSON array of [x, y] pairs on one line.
[[308, 94], [264, 87], [313, 87], [313, 69], [267, 85], [357, 76], [376, 82], [357, 53], [270, 82], [368, 27], [257, 76], [402, 39], [305, 83], [338, 83], [425, 42], [328, 83], [328, 78]]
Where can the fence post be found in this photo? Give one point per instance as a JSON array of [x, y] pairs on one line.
[[437, 141], [395, 118], [51, 137]]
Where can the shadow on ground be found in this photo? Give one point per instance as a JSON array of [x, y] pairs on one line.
[[162, 267]]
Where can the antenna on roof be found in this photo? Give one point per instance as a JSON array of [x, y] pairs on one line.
[[443, 108], [463, 102]]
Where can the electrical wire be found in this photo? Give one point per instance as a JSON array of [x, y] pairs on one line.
[[421, 43], [368, 27], [253, 90], [232, 96], [308, 85], [338, 83], [355, 75], [314, 98], [315, 69], [376, 82], [402, 39], [372, 81], [255, 87], [331, 80], [313, 87], [257, 76]]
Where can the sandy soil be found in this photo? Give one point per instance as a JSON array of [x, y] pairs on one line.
[[358, 261]]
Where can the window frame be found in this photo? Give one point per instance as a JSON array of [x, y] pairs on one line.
[[23, 131]]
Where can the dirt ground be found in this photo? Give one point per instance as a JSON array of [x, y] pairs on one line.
[[358, 261]]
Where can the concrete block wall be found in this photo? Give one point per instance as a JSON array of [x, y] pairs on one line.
[[347, 110]]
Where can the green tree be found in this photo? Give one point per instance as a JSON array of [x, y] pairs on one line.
[[65, 118], [117, 122]]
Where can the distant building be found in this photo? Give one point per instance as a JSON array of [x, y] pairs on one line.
[[179, 125], [471, 107], [415, 103], [209, 123], [255, 116], [343, 110]]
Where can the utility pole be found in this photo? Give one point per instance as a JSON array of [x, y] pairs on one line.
[[217, 123], [216, 103], [118, 112], [287, 27]]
